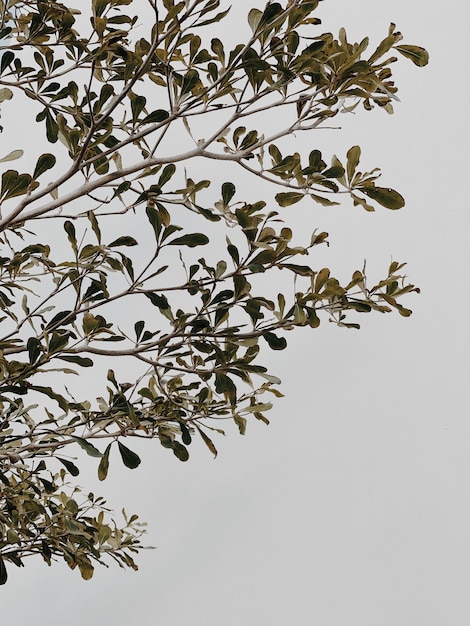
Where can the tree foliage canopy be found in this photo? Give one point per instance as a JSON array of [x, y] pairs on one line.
[[102, 239]]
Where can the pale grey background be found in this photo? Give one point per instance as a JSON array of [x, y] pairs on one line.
[[352, 508]]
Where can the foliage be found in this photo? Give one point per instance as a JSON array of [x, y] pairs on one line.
[[95, 269]]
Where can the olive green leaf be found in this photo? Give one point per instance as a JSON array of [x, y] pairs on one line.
[[289, 198], [71, 467], [275, 342], [44, 163], [129, 458], [192, 240], [88, 447], [3, 571], [417, 54], [103, 467], [12, 156], [389, 198]]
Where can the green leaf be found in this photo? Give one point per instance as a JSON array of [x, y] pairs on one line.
[[185, 434], [128, 265], [225, 385], [7, 58], [61, 401], [237, 133], [216, 18], [154, 218], [3, 572], [403, 311], [417, 54], [233, 251], [82, 361], [70, 230], [360, 307], [88, 447], [192, 240], [5, 94], [250, 139], [321, 279], [123, 241], [86, 569], [270, 12], [155, 117], [254, 18], [209, 443], [14, 184], [137, 105], [220, 269], [353, 156], [129, 458], [301, 270], [59, 318], [336, 171], [52, 128], [12, 156], [167, 173], [99, 6], [228, 191], [217, 48], [180, 451], [190, 80], [240, 422], [94, 225], [44, 163], [34, 349], [139, 327], [106, 92], [202, 57], [257, 408], [313, 319], [358, 200], [71, 467], [291, 197], [275, 342], [389, 198], [58, 341], [323, 201], [103, 467], [160, 301], [382, 48]]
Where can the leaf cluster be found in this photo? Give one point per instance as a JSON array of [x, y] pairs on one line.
[[118, 274]]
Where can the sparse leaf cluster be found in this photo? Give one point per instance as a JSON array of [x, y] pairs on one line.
[[116, 100]]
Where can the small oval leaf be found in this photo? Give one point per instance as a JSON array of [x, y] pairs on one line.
[[275, 342], [44, 163], [129, 458], [70, 467], [82, 361], [123, 241], [103, 467], [417, 54], [389, 198], [88, 447], [180, 451], [12, 156], [155, 117], [286, 199], [208, 441], [192, 240], [5, 94], [353, 157], [228, 191]]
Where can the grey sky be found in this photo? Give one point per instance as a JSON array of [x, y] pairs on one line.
[[353, 507]]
